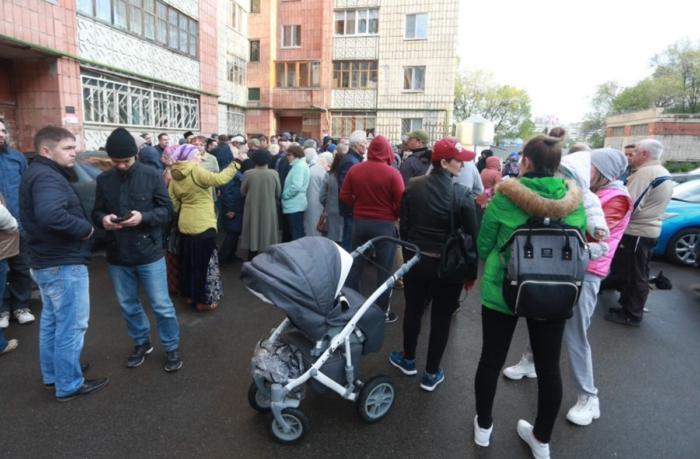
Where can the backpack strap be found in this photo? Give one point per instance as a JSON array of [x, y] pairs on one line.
[[654, 183]]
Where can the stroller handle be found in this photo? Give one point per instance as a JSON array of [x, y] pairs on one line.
[[369, 244]]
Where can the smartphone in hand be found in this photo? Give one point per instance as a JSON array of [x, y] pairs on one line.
[[122, 218]]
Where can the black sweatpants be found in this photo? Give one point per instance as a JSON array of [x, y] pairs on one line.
[[421, 288], [629, 274], [545, 341]]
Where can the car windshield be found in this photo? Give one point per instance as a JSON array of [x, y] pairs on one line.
[[688, 191]]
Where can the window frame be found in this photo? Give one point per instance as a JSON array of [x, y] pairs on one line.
[[415, 23], [411, 126], [249, 93], [359, 13], [135, 16], [313, 74], [251, 55], [412, 69], [292, 28], [254, 6], [365, 68], [343, 123]]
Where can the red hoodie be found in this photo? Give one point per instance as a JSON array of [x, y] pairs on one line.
[[373, 188]]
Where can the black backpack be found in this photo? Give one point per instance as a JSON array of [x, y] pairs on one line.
[[544, 274]]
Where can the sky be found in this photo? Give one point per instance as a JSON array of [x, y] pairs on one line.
[[559, 51]]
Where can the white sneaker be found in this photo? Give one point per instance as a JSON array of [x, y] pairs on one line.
[[523, 369], [482, 437], [539, 450], [11, 346], [587, 409], [4, 319], [23, 316]]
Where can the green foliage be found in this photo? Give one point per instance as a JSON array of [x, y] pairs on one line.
[[508, 107], [681, 166]]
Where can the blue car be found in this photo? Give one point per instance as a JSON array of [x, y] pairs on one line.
[[681, 225]]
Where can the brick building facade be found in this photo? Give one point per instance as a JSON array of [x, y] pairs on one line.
[[679, 133]]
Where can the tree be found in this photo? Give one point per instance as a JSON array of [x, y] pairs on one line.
[[506, 106], [602, 103], [679, 67]]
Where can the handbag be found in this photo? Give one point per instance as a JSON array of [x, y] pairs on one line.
[[322, 225], [174, 245], [458, 261]]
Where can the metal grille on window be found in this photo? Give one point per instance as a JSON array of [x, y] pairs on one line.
[[126, 103]]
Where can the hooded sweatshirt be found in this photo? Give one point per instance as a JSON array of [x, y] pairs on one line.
[[373, 188]]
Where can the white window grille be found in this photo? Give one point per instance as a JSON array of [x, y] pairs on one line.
[[411, 124], [414, 78], [344, 123], [357, 22], [128, 103], [235, 120], [291, 36], [236, 70]]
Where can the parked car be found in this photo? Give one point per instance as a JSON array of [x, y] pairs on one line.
[[681, 225], [83, 176]]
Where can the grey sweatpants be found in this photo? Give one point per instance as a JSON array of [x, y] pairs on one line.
[[576, 336]]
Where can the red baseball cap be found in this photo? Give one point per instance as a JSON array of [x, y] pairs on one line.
[[450, 148]]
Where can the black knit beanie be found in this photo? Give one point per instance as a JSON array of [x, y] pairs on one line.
[[121, 144]]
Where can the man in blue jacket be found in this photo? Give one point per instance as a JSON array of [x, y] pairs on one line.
[[356, 154], [58, 233], [133, 205], [19, 288]]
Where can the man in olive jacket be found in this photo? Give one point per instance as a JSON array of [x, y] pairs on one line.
[[133, 205]]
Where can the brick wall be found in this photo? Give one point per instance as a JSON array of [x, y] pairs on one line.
[[41, 23], [208, 65]]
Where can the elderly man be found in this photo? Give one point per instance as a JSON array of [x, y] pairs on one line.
[[354, 156], [650, 188], [418, 162]]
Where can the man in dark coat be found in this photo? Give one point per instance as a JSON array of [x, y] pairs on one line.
[[358, 146], [418, 162], [133, 205], [58, 233]]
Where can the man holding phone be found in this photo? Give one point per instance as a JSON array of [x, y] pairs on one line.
[[132, 205]]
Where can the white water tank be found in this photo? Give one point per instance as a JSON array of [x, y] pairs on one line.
[[475, 130]]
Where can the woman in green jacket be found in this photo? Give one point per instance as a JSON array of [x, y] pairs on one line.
[[293, 197], [191, 193], [536, 193]]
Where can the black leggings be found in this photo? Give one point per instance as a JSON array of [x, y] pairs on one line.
[[422, 287], [545, 341]]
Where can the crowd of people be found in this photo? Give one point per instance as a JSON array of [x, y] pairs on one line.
[[162, 209]]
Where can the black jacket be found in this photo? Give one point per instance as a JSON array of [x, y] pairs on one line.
[[54, 221], [415, 165], [425, 206], [151, 157], [140, 188]]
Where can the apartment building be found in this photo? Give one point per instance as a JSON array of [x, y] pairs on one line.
[[334, 66], [148, 65]]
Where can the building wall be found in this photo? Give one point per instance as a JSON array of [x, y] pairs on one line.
[[231, 43]]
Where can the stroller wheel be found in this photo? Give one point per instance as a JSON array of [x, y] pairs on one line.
[[258, 399], [376, 399], [298, 426]]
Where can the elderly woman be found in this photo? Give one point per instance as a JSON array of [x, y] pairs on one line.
[[294, 201], [317, 174], [191, 193], [330, 201], [261, 188], [430, 206]]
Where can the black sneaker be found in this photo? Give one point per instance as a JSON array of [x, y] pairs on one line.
[[391, 317], [140, 352], [622, 319], [83, 367], [90, 386], [173, 362]]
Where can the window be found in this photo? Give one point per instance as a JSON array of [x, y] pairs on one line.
[[345, 123], [152, 20], [618, 131], [291, 36], [411, 124], [355, 74], [254, 6], [109, 100], [235, 16], [357, 22], [235, 119], [254, 50], [298, 74], [416, 26], [640, 129], [254, 94], [414, 78], [236, 70]]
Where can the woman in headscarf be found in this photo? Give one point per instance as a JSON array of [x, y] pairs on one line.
[[328, 198], [191, 191], [261, 189], [314, 210]]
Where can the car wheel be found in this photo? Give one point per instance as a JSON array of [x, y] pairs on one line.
[[681, 248]]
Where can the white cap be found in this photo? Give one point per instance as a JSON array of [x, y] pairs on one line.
[[238, 139]]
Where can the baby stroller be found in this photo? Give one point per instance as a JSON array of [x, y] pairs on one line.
[[327, 330]]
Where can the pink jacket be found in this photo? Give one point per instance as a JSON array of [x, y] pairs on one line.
[[617, 222]]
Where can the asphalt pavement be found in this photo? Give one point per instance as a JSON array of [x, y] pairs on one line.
[[648, 377]]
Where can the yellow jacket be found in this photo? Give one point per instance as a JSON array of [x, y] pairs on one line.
[[191, 193]]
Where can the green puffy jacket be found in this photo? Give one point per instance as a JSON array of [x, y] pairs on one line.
[[515, 201]]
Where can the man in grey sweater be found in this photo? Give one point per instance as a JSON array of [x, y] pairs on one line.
[[651, 189]]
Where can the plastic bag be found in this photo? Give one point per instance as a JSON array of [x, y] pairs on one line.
[[276, 362]]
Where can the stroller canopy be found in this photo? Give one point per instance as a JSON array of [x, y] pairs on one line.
[[308, 272]]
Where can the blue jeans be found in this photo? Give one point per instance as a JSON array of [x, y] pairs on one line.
[[296, 225], [65, 298], [153, 276]]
